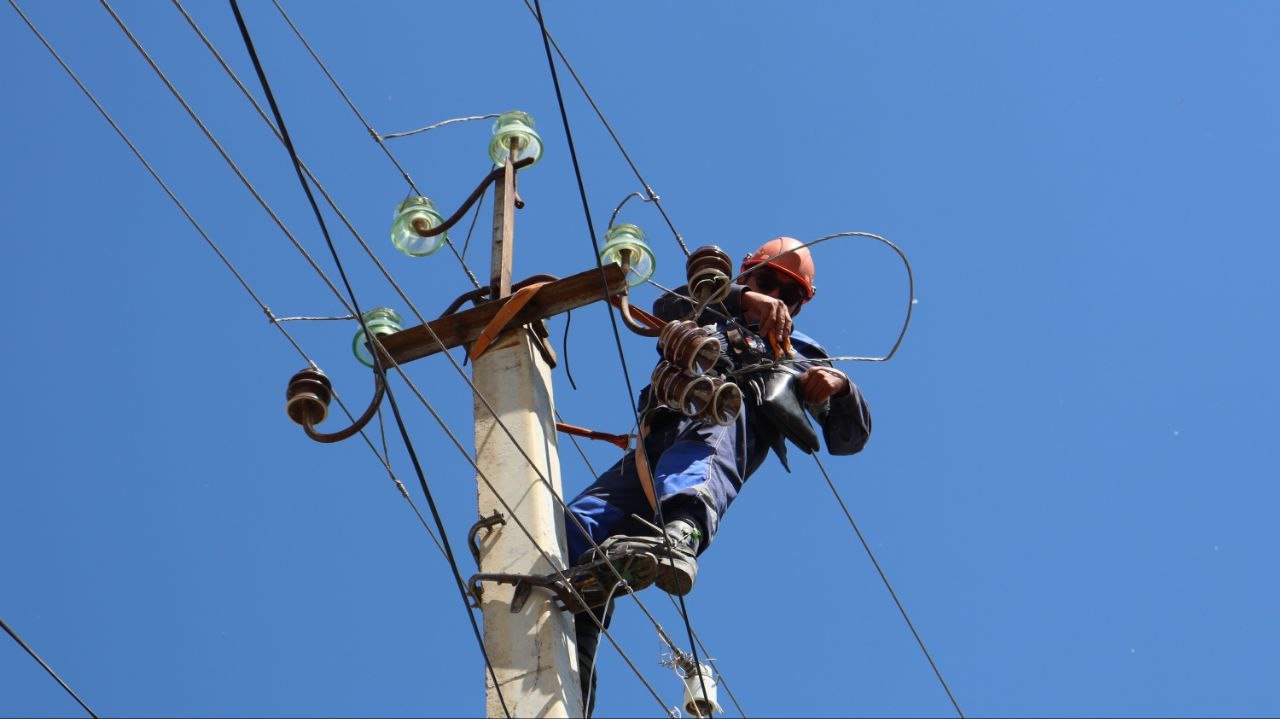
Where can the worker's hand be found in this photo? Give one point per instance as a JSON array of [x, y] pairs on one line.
[[771, 313], [819, 383]]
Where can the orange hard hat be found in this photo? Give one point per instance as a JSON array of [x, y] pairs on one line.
[[797, 265]]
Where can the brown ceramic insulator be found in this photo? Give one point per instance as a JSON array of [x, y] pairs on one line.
[[708, 270], [725, 404], [307, 397], [690, 395], [669, 334], [662, 375], [689, 347]]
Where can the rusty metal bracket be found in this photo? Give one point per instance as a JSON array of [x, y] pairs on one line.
[[568, 600], [581, 588], [488, 523]]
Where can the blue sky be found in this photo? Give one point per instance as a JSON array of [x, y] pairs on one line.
[[1067, 481]]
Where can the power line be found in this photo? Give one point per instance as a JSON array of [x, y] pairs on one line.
[[652, 196], [617, 336], [216, 249], [395, 409], [376, 137], [425, 323], [9, 629], [884, 578], [280, 224], [720, 676], [384, 462]]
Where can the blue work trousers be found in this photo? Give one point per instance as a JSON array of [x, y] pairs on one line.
[[697, 468]]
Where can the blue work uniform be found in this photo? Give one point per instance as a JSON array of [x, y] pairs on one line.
[[698, 467]]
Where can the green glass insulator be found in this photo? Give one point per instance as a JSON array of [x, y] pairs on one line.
[[629, 238], [416, 214], [514, 126], [381, 321]]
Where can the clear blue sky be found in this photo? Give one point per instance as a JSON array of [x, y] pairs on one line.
[[1068, 479]]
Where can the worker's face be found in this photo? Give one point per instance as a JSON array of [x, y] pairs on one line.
[[768, 281]]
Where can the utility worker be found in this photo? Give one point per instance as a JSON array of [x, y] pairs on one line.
[[698, 468]]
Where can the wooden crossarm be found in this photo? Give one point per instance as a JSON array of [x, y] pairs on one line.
[[464, 327]]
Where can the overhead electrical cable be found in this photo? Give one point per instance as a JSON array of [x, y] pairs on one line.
[[720, 679], [424, 321], [884, 578], [275, 321], [386, 273], [395, 408], [617, 336], [652, 196], [14, 634], [372, 133], [310, 175], [384, 462]]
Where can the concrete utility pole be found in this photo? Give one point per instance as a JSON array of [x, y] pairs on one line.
[[533, 651]]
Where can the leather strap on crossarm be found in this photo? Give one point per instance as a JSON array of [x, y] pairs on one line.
[[504, 315]]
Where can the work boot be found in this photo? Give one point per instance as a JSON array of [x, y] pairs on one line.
[[678, 565], [643, 561]]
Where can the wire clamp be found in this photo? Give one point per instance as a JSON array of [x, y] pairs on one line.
[[486, 523]]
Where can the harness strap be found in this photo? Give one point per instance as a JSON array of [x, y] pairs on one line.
[[504, 315], [642, 464]]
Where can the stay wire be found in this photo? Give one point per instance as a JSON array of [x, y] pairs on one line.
[[420, 317], [274, 321], [653, 196], [14, 634], [395, 409], [884, 578], [617, 336], [372, 133]]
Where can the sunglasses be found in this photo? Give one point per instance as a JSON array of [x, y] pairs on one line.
[[789, 291]]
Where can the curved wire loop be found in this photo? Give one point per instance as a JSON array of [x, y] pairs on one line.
[[475, 195], [614, 217], [911, 285], [379, 390]]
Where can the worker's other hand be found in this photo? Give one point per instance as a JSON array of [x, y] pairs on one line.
[[819, 383], [770, 312]]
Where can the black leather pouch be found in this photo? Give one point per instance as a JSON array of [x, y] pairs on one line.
[[780, 403]]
